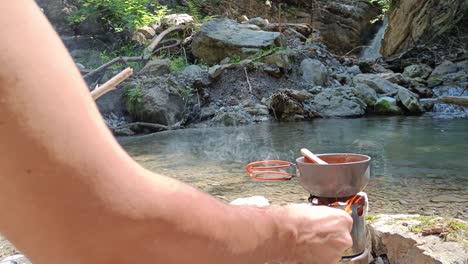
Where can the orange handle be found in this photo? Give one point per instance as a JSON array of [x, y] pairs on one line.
[[255, 170]]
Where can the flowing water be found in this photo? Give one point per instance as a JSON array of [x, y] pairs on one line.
[[372, 51], [420, 165], [449, 110]]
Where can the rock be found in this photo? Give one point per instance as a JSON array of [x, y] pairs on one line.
[[160, 103], [418, 70], [336, 102], [354, 70], [279, 59], [427, 104], [157, 67], [445, 68], [216, 71], [15, 259], [140, 38], [396, 78], [409, 100], [243, 19], [147, 31], [57, 12], [221, 38], [273, 70], [284, 106], [231, 118], [418, 21], [193, 72], [89, 58], [387, 106], [391, 236], [259, 201], [207, 113], [176, 19], [257, 110], [380, 85], [258, 21], [367, 94], [292, 33], [314, 72], [448, 198]]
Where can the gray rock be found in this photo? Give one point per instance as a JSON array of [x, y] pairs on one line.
[[396, 78], [89, 58], [15, 259], [314, 72], [258, 21], [427, 104], [231, 118], [380, 85], [445, 68], [176, 19], [221, 38], [391, 236], [387, 106], [336, 102], [409, 100], [355, 70], [156, 67], [418, 70], [278, 59], [284, 106], [463, 65], [273, 70], [193, 72], [207, 113], [216, 71], [367, 94], [161, 103], [257, 110]]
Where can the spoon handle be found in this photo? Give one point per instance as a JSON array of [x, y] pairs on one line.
[[312, 157]]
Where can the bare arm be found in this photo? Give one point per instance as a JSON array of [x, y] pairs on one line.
[[70, 194]]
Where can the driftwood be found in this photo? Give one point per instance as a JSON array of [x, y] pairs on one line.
[[111, 84], [435, 230], [147, 54], [456, 100], [150, 125]]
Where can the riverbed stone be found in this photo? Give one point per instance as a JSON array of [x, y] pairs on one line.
[[314, 72], [258, 21], [418, 70], [336, 102], [379, 84], [221, 38], [448, 198], [176, 19], [392, 237]]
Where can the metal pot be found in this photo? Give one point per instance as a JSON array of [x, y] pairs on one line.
[[344, 176]]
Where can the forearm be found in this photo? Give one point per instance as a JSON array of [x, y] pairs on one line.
[[69, 191]]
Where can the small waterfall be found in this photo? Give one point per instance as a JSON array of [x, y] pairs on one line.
[[372, 51], [449, 110]]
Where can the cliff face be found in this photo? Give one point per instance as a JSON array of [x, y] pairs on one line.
[[413, 22]]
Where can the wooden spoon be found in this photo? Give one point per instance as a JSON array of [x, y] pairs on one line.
[[311, 157]]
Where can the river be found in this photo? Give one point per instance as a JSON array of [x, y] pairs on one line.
[[420, 164]]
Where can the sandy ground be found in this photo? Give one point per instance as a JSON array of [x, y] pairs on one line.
[[6, 249]]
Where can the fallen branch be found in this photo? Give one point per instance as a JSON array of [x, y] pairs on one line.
[[456, 100], [157, 39], [434, 230], [111, 84], [112, 62]]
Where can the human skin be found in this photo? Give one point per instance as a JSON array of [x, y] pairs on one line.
[[70, 194]]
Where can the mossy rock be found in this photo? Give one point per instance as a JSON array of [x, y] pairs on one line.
[[387, 106]]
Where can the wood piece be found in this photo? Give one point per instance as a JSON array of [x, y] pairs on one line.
[[111, 84], [112, 62], [304, 29], [157, 39], [143, 124], [456, 100], [248, 81], [435, 230]]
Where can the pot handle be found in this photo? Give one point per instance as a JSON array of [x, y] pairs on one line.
[[270, 170]]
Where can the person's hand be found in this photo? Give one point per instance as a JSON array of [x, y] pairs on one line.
[[323, 234]]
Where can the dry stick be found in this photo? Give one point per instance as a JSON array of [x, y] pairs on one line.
[[111, 84], [156, 40], [248, 81], [112, 62], [152, 125]]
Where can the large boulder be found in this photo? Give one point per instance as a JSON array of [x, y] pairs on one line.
[[336, 102], [160, 103], [444, 68], [418, 21], [314, 72], [399, 238], [287, 105], [409, 100], [221, 38], [367, 94], [379, 84], [418, 70]]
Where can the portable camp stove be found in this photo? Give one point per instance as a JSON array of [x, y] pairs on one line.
[[338, 184]]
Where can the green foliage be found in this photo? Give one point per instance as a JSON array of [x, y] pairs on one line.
[[185, 92], [372, 218], [133, 98], [120, 15], [385, 4], [235, 60], [178, 64]]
